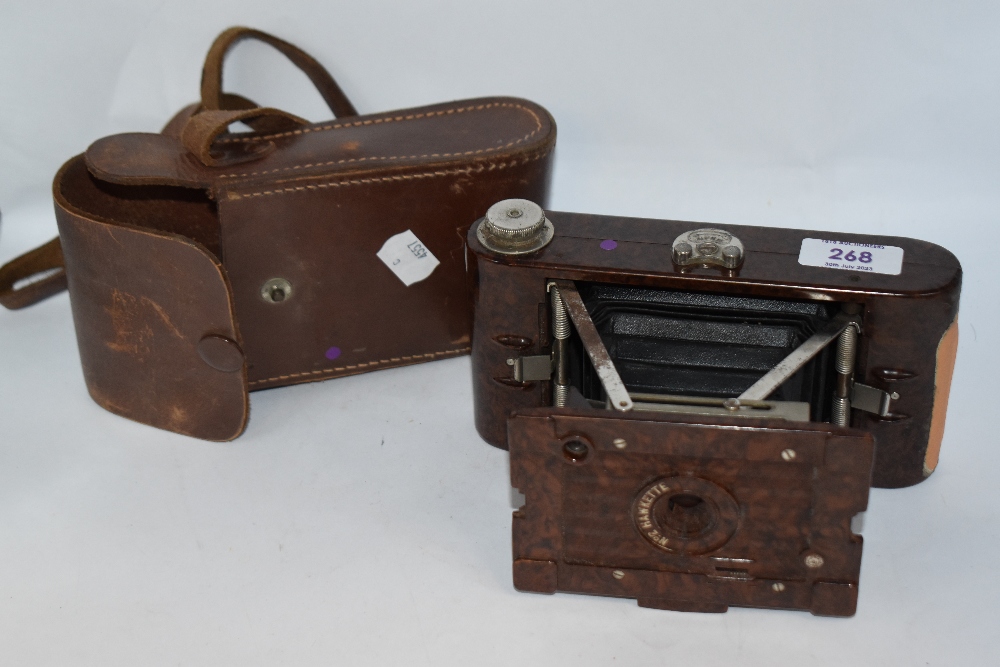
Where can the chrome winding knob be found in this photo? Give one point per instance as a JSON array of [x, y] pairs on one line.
[[515, 227]]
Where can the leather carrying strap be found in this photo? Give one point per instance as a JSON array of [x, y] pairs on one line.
[[219, 109], [232, 101], [45, 259], [202, 129], [212, 96], [197, 126]]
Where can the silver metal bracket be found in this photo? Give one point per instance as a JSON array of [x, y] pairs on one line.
[[787, 367], [871, 399], [532, 369], [718, 407]]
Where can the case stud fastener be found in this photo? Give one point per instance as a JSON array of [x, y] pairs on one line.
[[619, 443], [618, 574], [221, 353], [276, 290], [788, 454], [777, 587]]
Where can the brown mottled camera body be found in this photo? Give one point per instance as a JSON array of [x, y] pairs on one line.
[[695, 414]]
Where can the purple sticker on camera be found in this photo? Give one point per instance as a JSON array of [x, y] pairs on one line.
[[609, 244], [333, 353]]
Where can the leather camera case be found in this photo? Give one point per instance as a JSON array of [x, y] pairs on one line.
[[203, 264]]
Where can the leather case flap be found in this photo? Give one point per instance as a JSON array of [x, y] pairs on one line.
[[153, 311], [438, 134], [140, 158]]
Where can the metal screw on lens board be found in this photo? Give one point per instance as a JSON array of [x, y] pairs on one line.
[[814, 561], [276, 290]]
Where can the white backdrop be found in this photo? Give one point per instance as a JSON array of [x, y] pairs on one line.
[[362, 520]]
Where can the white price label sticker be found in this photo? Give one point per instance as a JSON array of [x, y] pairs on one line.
[[861, 257], [408, 257]]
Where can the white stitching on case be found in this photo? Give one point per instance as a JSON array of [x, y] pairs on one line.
[[330, 371], [538, 127], [366, 181]]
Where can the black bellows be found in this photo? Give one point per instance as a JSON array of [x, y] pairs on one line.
[[703, 344]]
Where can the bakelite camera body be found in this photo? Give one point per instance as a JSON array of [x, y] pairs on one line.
[[695, 415]]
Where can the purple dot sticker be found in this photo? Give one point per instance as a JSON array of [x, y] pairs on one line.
[[333, 353], [609, 244]]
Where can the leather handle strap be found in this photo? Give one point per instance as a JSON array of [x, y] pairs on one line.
[[46, 262], [203, 128], [212, 96], [230, 101]]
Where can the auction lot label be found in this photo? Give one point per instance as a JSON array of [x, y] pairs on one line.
[[408, 257], [861, 257]]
